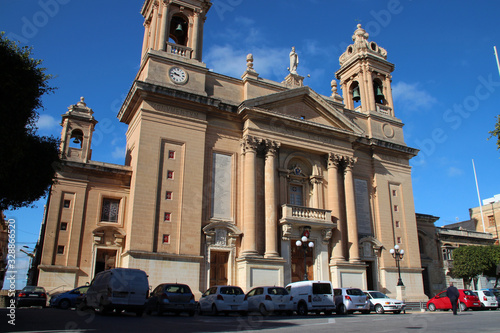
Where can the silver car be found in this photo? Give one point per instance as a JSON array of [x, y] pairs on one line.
[[268, 300], [349, 300]]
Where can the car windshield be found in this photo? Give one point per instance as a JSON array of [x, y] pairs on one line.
[[231, 291], [378, 294], [178, 289], [469, 293], [34, 289], [487, 293], [322, 288], [354, 292], [277, 291]]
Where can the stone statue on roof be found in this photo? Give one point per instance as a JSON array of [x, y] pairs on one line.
[[294, 61]]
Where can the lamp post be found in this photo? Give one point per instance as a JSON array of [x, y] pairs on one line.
[[303, 242], [398, 254]]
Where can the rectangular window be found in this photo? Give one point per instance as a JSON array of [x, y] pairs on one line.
[[166, 239], [296, 195], [167, 217], [396, 208], [394, 193], [64, 225], [169, 195], [110, 209], [60, 249], [171, 154], [397, 224], [170, 174], [398, 240], [66, 203], [491, 221]]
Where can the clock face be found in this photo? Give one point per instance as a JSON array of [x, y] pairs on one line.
[[178, 75]]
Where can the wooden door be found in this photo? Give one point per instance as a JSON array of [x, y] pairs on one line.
[[218, 268], [298, 263]]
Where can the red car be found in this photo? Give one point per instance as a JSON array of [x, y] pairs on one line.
[[468, 299]]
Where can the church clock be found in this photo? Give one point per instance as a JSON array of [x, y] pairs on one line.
[[178, 75]]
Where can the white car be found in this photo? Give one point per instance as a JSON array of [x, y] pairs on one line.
[[487, 298], [381, 303], [223, 299], [314, 296], [267, 300]]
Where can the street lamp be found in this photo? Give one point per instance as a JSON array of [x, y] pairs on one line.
[[398, 254], [303, 242]]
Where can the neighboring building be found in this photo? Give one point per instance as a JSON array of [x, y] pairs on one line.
[[223, 175], [436, 247], [491, 216]]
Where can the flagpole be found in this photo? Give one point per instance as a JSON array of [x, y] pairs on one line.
[[496, 56], [478, 196]]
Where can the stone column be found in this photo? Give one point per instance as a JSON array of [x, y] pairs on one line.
[[371, 93], [270, 199], [195, 33], [145, 42], [164, 27], [249, 245], [350, 203], [334, 162], [152, 30]]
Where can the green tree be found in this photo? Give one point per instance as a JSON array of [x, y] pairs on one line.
[[472, 261], [496, 132], [26, 160]]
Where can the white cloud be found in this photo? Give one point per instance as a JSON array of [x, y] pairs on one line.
[[268, 62], [46, 122], [118, 153], [411, 96], [455, 172]]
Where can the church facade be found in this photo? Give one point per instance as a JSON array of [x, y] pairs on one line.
[[241, 181]]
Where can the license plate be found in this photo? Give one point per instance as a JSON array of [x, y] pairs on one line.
[[33, 295], [360, 306], [476, 303]]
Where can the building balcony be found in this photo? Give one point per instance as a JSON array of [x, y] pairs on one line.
[[183, 51], [302, 216]]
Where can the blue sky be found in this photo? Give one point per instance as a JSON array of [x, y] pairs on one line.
[[446, 84]]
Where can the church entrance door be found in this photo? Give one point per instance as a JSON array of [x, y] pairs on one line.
[[218, 268]]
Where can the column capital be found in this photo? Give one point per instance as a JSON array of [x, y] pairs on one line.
[[334, 160], [271, 147], [250, 143], [350, 161]]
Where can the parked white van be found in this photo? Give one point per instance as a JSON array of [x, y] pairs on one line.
[[314, 296], [118, 289]]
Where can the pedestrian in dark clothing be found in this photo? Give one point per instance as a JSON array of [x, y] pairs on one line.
[[453, 295]]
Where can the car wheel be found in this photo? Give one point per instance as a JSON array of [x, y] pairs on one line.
[[379, 309], [214, 310], [342, 310], [431, 307], [263, 310], [462, 306], [64, 304], [302, 309]]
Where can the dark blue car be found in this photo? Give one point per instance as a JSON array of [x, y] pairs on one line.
[[68, 299]]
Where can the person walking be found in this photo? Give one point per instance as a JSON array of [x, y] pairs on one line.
[[453, 295]]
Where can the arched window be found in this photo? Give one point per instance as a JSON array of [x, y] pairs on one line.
[[378, 90], [178, 30], [76, 139]]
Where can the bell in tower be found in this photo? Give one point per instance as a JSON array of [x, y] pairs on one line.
[[175, 27], [365, 75]]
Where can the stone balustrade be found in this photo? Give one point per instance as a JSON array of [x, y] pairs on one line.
[[306, 214], [180, 50]]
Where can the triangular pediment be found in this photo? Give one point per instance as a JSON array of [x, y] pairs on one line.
[[304, 104]]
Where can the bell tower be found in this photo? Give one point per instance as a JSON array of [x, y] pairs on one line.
[[175, 27], [76, 136], [365, 76]]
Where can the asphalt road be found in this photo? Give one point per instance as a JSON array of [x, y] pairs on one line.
[[55, 320]]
